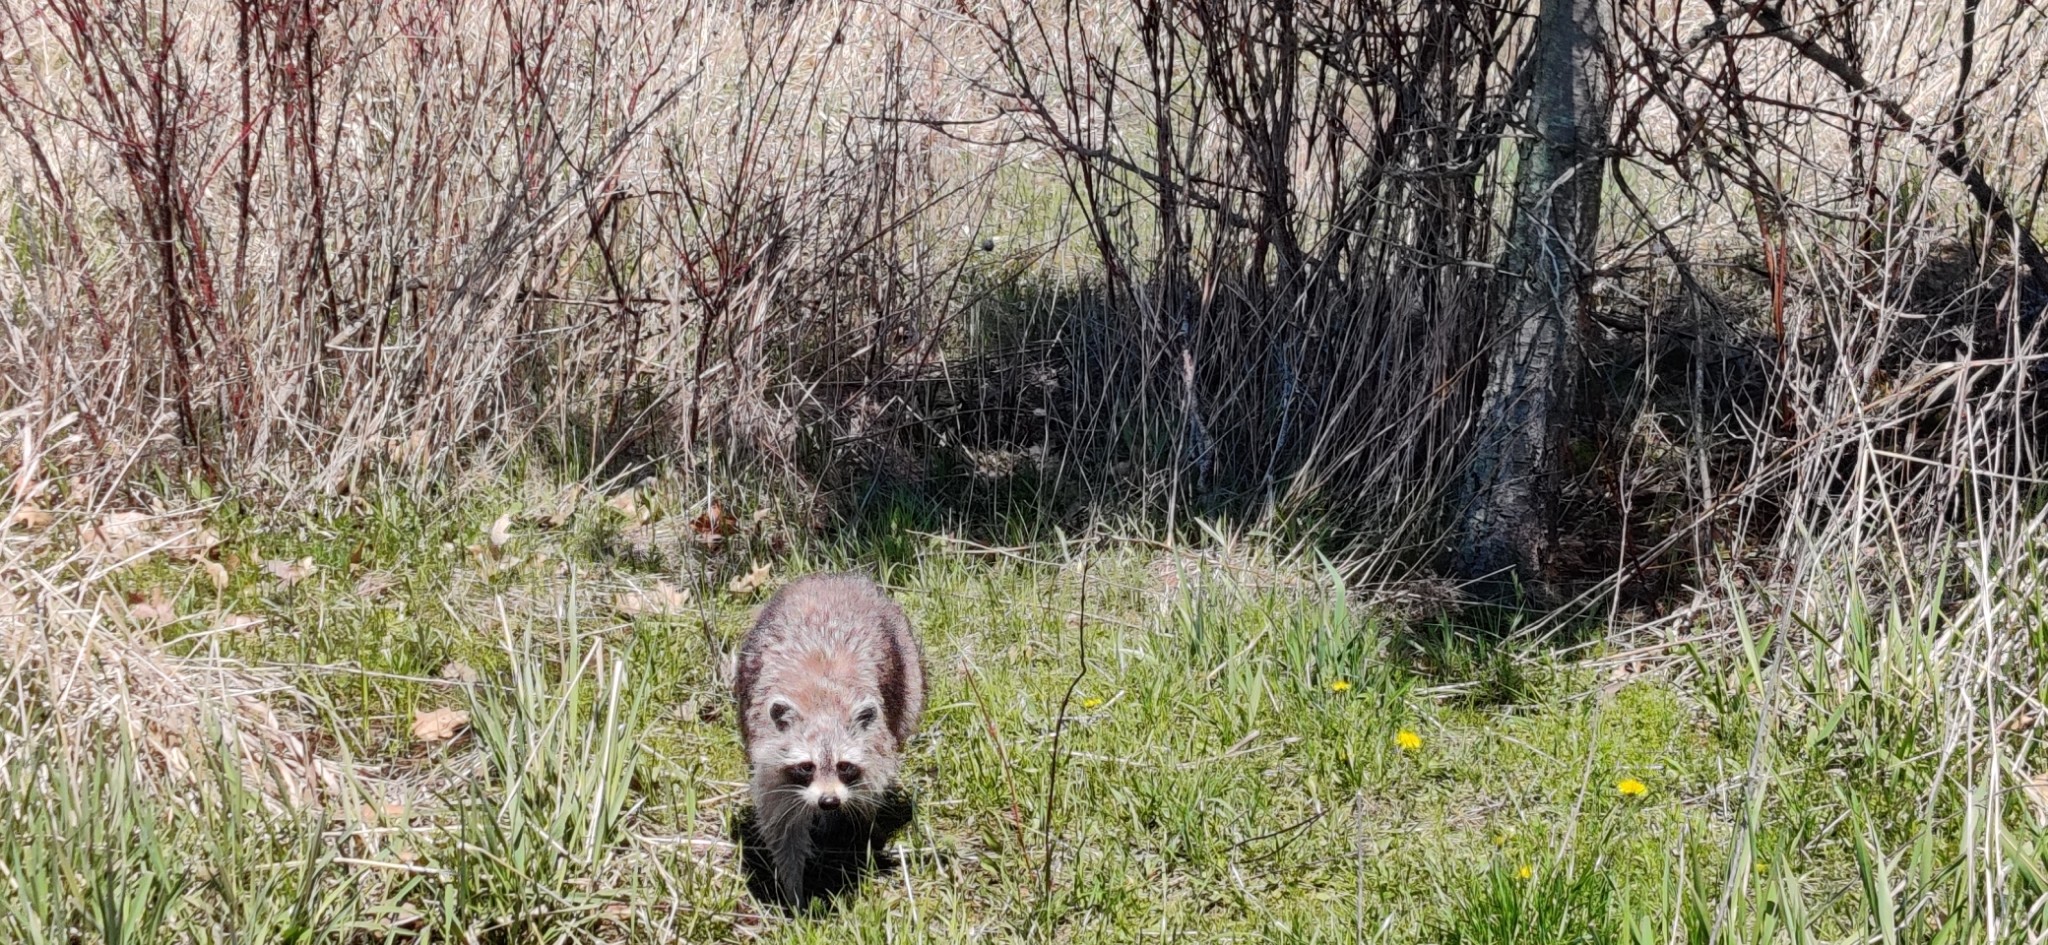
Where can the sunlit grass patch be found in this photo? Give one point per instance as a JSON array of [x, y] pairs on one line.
[[1247, 748]]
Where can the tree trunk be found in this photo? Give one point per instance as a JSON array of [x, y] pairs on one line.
[[1510, 488]]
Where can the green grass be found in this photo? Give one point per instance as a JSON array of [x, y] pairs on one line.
[[1227, 766]]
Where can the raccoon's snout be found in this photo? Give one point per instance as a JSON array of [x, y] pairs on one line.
[[828, 788]]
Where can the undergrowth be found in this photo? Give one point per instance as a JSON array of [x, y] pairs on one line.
[[1256, 747]]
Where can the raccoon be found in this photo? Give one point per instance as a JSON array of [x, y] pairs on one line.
[[830, 687]]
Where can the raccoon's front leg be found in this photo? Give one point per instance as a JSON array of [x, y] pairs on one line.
[[792, 852]]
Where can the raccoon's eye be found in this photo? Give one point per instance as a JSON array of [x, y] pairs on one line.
[[802, 771], [865, 718], [848, 772]]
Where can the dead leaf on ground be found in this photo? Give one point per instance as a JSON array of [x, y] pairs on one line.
[[412, 446], [198, 543], [490, 562], [2036, 789], [628, 503], [713, 526], [461, 672], [26, 484], [501, 532], [375, 583], [30, 518], [120, 535], [662, 598], [749, 582], [215, 572], [289, 573], [387, 813], [151, 611], [564, 506], [438, 725], [240, 623]]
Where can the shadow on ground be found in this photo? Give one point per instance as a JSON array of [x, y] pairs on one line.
[[848, 849]]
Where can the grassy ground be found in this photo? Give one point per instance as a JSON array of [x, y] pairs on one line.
[[1124, 743]]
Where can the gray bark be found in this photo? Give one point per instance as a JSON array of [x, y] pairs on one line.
[[1509, 489]]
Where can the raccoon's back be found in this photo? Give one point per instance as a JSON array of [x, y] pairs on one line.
[[840, 613]]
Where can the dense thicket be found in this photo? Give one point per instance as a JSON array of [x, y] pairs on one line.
[[1247, 256]]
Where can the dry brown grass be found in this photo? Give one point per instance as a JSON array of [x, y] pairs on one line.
[[294, 247], [300, 244], [87, 673], [304, 240]]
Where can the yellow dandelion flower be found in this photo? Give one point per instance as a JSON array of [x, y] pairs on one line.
[[1341, 685], [1525, 872], [1630, 787], [1090, 703], [1409, 741]]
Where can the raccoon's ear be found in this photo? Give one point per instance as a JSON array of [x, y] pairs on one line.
[[781, 713], [866, 715]]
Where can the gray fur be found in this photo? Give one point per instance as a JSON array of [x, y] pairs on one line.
[[830, 674]]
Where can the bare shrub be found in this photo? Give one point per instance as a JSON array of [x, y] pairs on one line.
[[1287, 201], [1824, 202], [1815, 298], [311, 239]]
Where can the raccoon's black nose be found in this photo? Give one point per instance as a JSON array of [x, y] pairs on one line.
[[802, 771], [849, 772], [828, 802]]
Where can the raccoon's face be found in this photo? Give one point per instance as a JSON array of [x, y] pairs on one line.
[[831, 758]]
